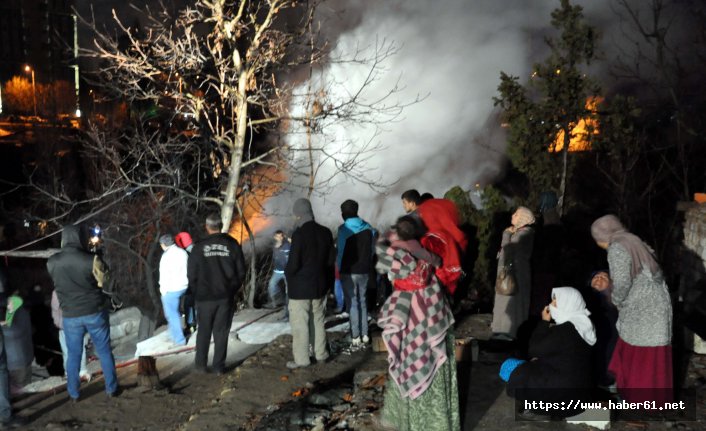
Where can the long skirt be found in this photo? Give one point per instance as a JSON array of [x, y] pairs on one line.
[[437, 409], [643, 373]]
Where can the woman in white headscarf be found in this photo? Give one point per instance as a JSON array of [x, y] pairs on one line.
[[559, 352], [510, 311]]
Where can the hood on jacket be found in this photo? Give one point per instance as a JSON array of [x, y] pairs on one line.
[[302, 210], [71, 237]]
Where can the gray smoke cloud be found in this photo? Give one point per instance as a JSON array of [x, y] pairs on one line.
[[451, 53]]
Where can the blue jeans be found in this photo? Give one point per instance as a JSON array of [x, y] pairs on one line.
[[190, 311], [338, 293], [191, 316], [5, 406], [354, 289], [273, 287], [170, 306], [98, 327]]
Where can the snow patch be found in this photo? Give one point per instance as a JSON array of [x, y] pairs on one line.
[[265, 332]]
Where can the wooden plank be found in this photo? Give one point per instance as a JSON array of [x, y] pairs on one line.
[[41, 254], [147, 375]]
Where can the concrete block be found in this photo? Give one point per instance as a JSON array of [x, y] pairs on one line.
[[599, 419], [699, 345], [125, 323], [128, 313]]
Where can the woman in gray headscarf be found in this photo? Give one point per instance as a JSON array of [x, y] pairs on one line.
[[509, 312], [643, 355]]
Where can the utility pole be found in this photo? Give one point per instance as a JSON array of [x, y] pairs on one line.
[[34, 88], [75, 66]]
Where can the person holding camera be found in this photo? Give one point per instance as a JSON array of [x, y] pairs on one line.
[[78, 277]]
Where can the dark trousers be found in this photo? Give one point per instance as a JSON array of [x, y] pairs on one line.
[[214, 317], [5, 406]]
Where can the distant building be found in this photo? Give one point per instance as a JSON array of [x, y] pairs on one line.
[[39, 33]]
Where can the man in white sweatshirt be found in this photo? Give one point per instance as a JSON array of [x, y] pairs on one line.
[[172, 285]]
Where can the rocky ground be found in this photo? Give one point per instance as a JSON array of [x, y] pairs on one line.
[[259, 393]]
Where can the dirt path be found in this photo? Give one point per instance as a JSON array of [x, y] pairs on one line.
[[259, 393], [185, 394]]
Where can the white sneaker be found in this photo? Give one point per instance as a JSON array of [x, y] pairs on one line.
[[366, 339], [356, 341]]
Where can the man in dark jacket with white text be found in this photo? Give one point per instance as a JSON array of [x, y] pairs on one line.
[[309, 275], [216, 270]]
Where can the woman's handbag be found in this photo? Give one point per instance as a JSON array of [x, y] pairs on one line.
[[505, 283]]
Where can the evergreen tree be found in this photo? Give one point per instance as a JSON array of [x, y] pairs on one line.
[[543, 113]]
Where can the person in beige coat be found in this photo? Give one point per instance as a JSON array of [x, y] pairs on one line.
[[509, 312]]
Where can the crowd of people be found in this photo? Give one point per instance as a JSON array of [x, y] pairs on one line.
[[624, 343]]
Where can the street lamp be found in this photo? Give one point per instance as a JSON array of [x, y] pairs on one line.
[[34, 88]]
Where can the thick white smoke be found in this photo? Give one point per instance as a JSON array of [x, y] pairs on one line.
[[450, 53]]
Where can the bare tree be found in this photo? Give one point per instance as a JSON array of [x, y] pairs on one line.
[[319, 151], [662, 57], [658, 62], [207, 95], [551, 104], [207, 63]]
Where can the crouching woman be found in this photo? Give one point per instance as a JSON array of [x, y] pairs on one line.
[[560, 366], [421, 392]]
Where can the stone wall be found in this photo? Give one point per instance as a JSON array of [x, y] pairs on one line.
[[692, 286], [693, 260]]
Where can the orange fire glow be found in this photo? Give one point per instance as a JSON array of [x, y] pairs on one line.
[[300, 392], [264, 183], [581, 132]]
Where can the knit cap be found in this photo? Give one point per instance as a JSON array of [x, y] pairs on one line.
[[509, 366], [183, 239], [302, 209]]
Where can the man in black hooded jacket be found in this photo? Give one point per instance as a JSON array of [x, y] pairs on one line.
[[310, 274], [78, 277]]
